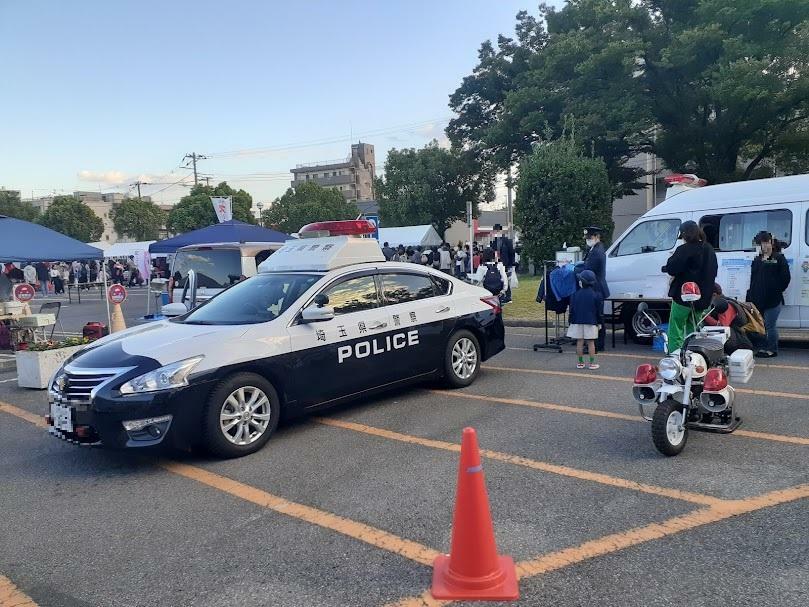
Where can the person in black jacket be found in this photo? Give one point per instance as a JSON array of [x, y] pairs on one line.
[[693, 261], [504, 248], [769, 278], [596, 262]]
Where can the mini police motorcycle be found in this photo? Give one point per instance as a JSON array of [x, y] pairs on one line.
[[689, 387]]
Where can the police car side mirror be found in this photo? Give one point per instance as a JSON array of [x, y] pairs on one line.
[[173, 309], [317, 313]]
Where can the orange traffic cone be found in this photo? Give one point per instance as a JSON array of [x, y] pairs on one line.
[[473, 570], [118, 323]]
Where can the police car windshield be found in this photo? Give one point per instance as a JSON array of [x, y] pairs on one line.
[[258, 299]]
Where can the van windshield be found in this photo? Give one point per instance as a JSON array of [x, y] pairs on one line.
[[258, 299], [215, 268]]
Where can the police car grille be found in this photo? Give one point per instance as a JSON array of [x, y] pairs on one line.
[[80, 386]]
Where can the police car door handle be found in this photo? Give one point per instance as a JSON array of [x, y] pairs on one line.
[[378, 325], [442, 310]]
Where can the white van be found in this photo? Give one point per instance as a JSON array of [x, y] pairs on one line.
[[217, 265], [731, 215]]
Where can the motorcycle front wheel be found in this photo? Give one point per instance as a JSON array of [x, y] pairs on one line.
[[669, 433]]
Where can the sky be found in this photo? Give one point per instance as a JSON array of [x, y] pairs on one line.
[[100, 94]]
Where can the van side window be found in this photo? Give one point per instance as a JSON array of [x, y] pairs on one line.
[[735, 231], [648, 237]]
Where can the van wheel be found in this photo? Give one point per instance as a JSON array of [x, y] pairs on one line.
[[461, 359], [241, 414]]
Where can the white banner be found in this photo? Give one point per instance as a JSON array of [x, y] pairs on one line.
[[223, 207]]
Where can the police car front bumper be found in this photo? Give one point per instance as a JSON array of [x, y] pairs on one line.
[[170, 417]]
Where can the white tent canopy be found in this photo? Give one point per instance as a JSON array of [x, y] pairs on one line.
[[410, 236], [125, 249], [100, 245]]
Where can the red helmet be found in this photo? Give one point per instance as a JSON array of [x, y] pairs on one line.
[[690, 292]]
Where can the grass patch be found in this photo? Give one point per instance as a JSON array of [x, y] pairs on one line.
[[524, 305]]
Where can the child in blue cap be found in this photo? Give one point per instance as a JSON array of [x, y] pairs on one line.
[[586, 315]]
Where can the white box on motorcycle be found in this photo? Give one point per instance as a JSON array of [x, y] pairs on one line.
[[741, 366]]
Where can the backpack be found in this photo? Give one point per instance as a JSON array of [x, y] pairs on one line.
[[492, 281], [755, 321]]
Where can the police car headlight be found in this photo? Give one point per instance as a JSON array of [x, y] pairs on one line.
[[669, 368], [174, 375]]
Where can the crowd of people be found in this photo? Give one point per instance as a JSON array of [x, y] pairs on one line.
[[53, 277], [493, 266]]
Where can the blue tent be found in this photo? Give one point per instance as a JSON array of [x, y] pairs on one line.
[[227, 231], [24, 241]]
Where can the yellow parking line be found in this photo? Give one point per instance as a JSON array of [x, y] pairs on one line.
[[358, 531], [595, 376], [585, 475], [37, 420], [656, 355], [780, 438], [353, 529], [11, 596], [632, 537], [537, 405]]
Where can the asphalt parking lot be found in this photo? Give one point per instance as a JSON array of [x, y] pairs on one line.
[[351, 507]]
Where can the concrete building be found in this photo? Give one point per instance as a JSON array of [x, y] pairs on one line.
[[100, 203], [483, 226], [627, 209], [353, 176]]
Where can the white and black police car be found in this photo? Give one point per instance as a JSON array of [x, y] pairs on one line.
[[325, 320]]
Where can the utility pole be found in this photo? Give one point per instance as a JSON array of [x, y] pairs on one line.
[[510, 207], [137, 184], [206, 178], [193, 157]]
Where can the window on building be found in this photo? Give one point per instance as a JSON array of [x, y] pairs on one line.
[[353, 295], [334, 173], [648, 237], [325, 175], [735, 231]]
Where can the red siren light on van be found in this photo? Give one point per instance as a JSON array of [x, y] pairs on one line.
[[353, 227], [685, 179]]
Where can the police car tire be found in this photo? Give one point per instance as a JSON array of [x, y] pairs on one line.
[[451, 377], [212, 435]]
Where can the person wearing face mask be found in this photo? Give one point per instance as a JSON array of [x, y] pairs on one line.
[[596, 261], [769, 278]]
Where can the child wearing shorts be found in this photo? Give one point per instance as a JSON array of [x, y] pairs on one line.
[[586, 315]]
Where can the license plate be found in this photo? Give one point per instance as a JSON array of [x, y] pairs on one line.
[[62, 418]]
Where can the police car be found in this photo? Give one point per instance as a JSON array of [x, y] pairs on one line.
[[325, 320]]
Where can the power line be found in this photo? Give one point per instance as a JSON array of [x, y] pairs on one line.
[[193, 157], [325, 141]]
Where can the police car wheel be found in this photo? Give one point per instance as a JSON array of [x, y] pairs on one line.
[[462, 359], [241, 415]]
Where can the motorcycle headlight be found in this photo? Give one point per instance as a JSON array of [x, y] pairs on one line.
[[174, 375], [669, 368]]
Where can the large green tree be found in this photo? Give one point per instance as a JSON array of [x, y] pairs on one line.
[[137, 218], [308, 203], [560, 191], [195, 210], [12, 206], [431, 185], [73, 218], [711, 86]]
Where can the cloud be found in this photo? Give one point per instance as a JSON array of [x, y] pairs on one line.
[[108, 177]]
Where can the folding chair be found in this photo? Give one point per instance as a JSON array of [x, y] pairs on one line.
[[53, 307]]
